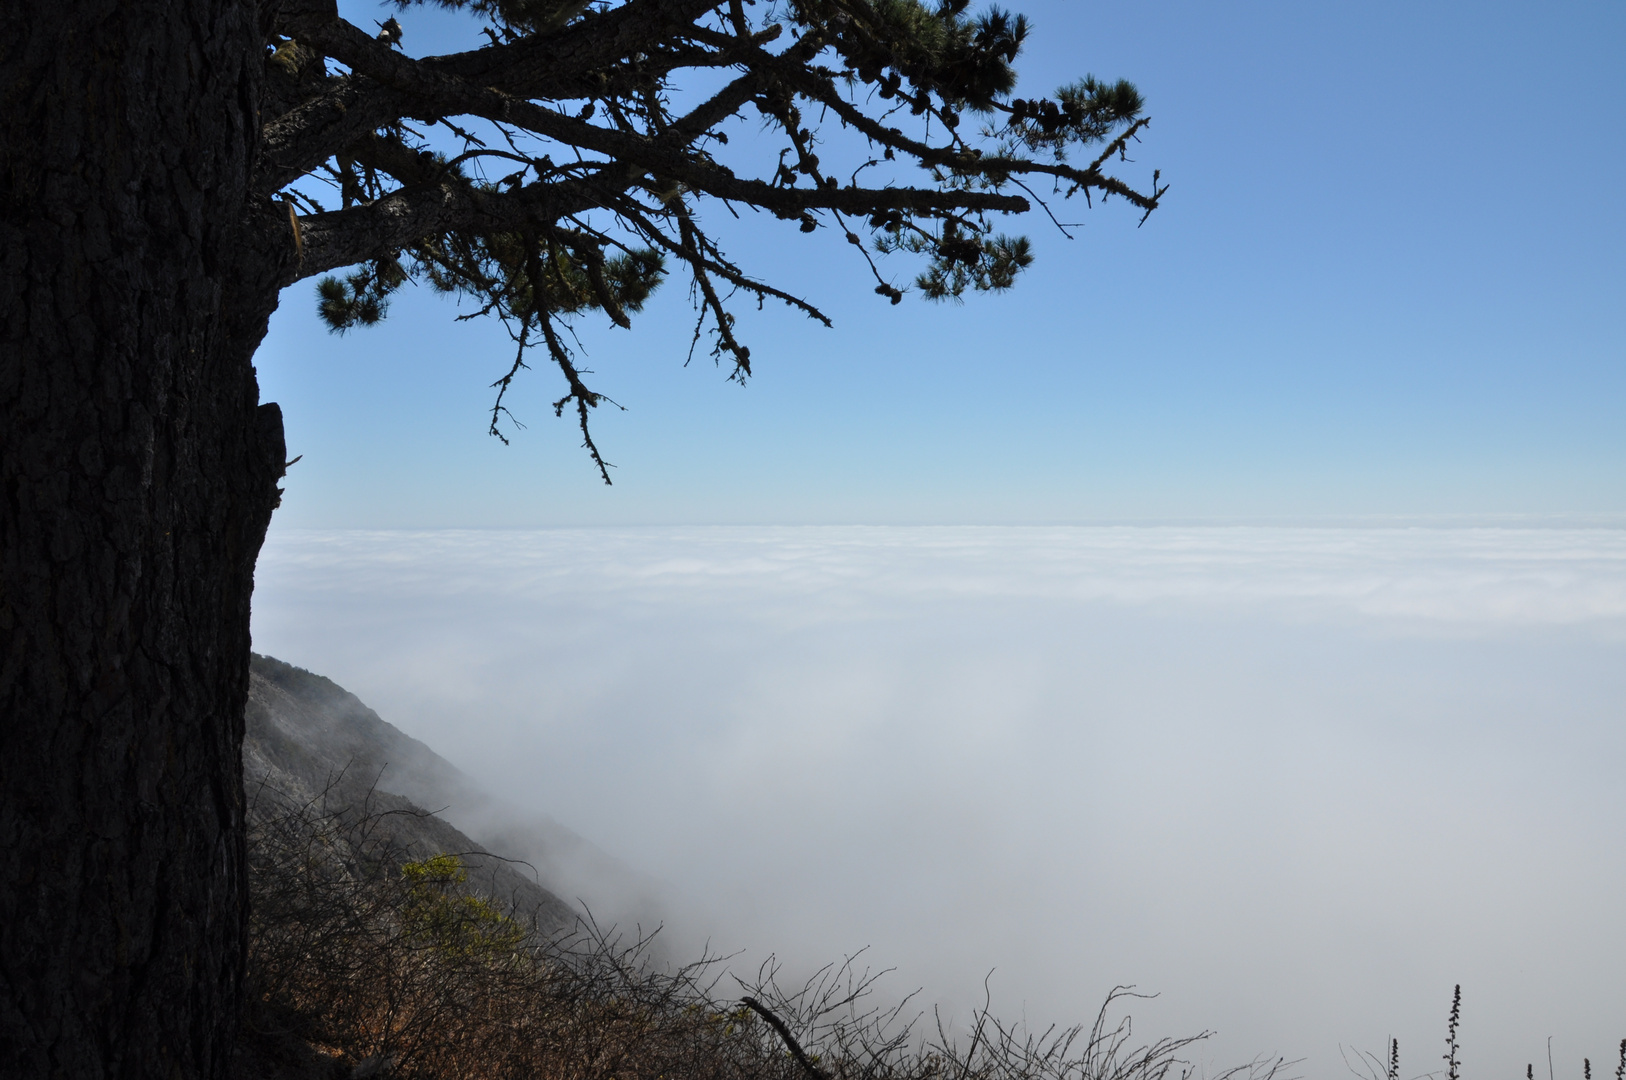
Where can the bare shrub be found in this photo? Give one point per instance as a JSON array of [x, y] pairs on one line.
[[371, 960]]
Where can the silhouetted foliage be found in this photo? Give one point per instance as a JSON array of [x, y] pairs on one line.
[[552, 173], [1366, 1065]]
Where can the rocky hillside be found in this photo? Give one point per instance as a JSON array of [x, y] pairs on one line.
[[311, 743]]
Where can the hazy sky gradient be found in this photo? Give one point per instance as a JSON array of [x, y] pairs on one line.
[[1388, 278], [1300, 781]]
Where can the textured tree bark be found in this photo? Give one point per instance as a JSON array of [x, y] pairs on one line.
[[137, 477]]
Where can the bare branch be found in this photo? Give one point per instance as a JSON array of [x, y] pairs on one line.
[[784, 1033]]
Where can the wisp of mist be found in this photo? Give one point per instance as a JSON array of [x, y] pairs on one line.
[[1298, 781]]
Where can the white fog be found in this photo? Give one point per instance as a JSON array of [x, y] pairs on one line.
[[1300, 781]]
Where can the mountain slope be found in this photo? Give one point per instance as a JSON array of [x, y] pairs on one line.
[[308, 742]]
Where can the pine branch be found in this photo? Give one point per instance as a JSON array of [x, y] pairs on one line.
[[594, 87], [561, 66]]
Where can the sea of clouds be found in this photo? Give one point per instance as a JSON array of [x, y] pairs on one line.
[[1300, 781]]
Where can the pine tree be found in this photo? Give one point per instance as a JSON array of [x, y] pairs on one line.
[[601, 184], [168, 166]]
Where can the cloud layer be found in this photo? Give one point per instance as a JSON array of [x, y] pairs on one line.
[[1299, 780]]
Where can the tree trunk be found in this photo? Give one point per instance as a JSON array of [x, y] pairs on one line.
[[137, 477]]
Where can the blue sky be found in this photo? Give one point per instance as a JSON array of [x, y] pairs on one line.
[[1388, 279]]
